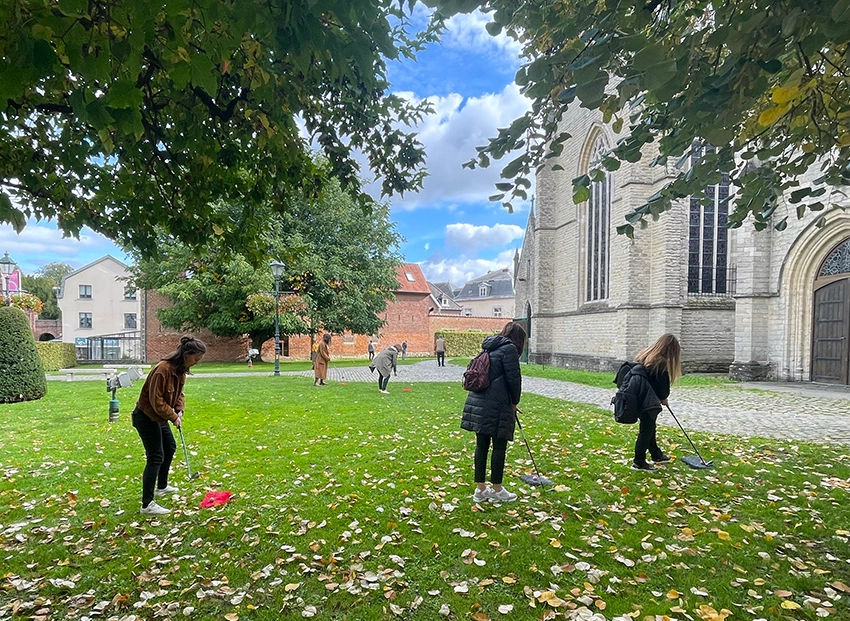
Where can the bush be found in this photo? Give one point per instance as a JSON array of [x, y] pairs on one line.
[[55, 356], [21, 374], [463, 344]]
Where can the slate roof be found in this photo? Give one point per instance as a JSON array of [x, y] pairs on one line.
[[500, 285], [438, 295]]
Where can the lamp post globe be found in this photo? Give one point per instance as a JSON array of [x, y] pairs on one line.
[[7, 268], [277, 271]]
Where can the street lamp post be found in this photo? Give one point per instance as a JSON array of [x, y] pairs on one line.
[[277, 272], [7, 267]]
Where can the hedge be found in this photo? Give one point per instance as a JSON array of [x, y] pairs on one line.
[[463, 344], [55, 356], [21, 374]]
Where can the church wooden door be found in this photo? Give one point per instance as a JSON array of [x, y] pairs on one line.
[[831, 333]]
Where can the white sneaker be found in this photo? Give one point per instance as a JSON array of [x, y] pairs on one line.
[[154, 509], [503, 495], [482, 495], [164, 491], [385, 392]]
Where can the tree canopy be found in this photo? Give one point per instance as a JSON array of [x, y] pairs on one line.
[[339, 263], [41, 284], [763, 83], [133, 117]]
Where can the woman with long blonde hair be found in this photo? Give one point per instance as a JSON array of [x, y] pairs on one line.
[[663, 363]]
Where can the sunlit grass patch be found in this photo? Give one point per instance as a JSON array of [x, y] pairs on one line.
[[352, 504]]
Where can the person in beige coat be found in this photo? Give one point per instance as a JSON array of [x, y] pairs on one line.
[[321, 361]]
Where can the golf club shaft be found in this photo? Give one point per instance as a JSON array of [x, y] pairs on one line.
[[685, 432], [534, 463], [185, 452]]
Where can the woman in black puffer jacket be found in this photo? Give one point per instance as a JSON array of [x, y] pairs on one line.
[[491, 413]]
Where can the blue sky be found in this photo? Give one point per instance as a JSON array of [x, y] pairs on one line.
[[450, 227]]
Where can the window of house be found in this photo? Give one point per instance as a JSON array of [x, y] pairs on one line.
[[708, 237], [444, 301], [597, 233], [348, 338], [482, 291], [85, 292], [129, 293], [85, 320], [467, 312], [497, 311], [130, 321], [409, 276]]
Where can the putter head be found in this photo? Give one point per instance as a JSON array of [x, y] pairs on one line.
[[533, 479], [194, 476], [696, 463]]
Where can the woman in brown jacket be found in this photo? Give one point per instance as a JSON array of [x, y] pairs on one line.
[[321, 361], [160, 402]]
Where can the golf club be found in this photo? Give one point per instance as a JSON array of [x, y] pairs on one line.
[[189, 474], [535, 479], [691, 460]]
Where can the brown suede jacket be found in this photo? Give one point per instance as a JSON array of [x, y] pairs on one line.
[[162, 395]]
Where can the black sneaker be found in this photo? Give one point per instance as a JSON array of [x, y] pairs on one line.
[[644, 466], [662, 459]]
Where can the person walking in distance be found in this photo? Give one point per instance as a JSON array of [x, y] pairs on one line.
[[491, 413], [404, 350], [321, 361], [161, 401], [440, 350], [385, 362], [663, 363], [371, 349]]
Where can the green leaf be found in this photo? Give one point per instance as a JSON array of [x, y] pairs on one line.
[[580, 194], [123, 94], [9, 213], [496, 197]]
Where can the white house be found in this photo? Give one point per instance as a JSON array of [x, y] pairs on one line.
[[100, 309]]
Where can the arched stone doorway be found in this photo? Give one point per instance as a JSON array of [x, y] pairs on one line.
[[831, 318]]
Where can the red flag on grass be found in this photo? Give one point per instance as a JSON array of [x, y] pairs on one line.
[[214, 499]]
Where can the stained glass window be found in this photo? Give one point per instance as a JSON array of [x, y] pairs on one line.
[[708, 248], [838, 261], [598, 229]]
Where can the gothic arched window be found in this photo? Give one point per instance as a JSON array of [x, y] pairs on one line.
[[597, 234]]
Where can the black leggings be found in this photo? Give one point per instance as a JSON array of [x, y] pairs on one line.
[[497, 462], [383, 380], [159, 451], [646, 440]]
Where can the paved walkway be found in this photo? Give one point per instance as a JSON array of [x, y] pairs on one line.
[[801, 411]]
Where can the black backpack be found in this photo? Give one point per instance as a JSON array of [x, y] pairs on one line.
[[624, 403], [477, 375]]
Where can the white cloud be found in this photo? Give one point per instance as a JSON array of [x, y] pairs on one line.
[[467, 31], [471, 239], [41, 243], [459, 271], [450, 137]]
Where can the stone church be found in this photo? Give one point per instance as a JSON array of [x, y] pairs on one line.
[[756, 304]]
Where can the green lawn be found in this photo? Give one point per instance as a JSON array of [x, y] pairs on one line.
[[354, 505]]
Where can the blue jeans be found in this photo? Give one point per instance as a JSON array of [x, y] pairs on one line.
[[160, 447]]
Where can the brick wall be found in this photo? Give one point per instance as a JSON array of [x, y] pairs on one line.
[[407, 319], [47, 326], [159, 341]]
